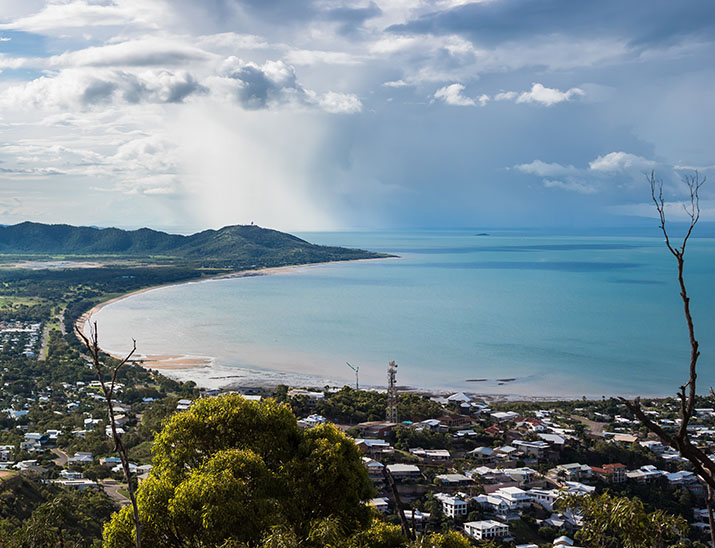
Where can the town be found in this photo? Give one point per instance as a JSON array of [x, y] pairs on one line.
[[486, 467]]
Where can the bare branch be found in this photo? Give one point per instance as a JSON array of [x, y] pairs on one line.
[[704, 467], [91, 342]]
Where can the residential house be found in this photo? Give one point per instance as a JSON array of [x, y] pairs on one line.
[[521, 475], [381, 504], [504, 416], [311, 420], [611, 473], [484, 454], [81, 458], [454, 420], [645, 474], [486, 529], [496, 506], [375, 429], [572, 471], [452, 506], [374, 469], [453, 480], [404, 471], [536, 449], [545, 497], [434, 455]]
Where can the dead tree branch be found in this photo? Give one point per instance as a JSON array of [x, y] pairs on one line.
[[92, 345], [680, 441]]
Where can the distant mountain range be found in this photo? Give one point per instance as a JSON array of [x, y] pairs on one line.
[[239, 246]]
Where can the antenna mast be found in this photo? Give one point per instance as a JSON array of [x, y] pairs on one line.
[[392, 392], [357, 370]]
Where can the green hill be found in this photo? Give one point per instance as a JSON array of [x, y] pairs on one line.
[[239, 246]]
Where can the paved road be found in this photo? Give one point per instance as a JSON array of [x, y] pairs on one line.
[[111, 487], [61, 459], [593, 426]]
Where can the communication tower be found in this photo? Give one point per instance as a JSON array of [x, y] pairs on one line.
[[392, 392]]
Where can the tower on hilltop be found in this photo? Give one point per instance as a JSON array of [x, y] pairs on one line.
[[392, 392]]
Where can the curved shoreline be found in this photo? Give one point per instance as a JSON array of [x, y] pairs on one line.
[[81, 322]]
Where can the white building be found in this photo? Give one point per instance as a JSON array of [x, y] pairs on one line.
[[486, 529], [545, 497], [452, 506]]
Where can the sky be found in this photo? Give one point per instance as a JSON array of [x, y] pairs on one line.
[[183, 115]]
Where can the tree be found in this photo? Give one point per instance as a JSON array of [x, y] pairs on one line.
[[621, 522], [704, 467], [232, 472]]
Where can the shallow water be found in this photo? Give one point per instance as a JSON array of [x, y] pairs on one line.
[[563, 315]]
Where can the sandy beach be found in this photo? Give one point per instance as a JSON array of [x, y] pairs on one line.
[[169, 362]]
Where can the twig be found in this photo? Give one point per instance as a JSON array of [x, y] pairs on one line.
[[687, 392], [92, 345]]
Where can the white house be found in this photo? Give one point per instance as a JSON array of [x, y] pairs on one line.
[[486, 529], [495, 505], [545, 497], [452, 506], [381, 504], [515, 497]]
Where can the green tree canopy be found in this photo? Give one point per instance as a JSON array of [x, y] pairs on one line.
[[612, 521], [229, 471]]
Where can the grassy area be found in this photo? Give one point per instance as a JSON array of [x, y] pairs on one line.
[[7, 474], [11, 301]]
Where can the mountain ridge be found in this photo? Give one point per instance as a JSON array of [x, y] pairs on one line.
[[233, 245]]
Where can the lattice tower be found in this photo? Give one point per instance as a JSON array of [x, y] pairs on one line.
[[392, 392]]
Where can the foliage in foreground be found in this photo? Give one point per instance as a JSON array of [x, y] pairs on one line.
[[621, 522], [229, 471]]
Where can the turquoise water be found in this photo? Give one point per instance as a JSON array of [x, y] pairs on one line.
[[563, 315]]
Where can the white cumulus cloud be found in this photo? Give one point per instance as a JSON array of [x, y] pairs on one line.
[[547, 96], [340, 103], [620, 161], [453, 94]]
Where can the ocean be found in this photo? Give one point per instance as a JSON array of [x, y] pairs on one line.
[[508, 312]]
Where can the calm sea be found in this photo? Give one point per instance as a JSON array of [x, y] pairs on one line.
[[562, 315]]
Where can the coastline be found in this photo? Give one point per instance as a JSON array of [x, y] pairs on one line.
[[206, 373], [164, 362]]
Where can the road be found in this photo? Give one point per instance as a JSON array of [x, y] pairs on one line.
[[61, 459], [593, 426], [111, 487]]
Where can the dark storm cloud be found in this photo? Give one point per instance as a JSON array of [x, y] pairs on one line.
[[659, 22]]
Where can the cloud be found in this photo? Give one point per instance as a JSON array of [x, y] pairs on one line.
[[571, 185], [396, 84], [274, 84], [547, 96], [80, 88], [231, 41], [312, 57], [620, 161], [453, 95], [262, 86], [340, 103], [543, 169], [57, 16], [135, 53], [500, 22], [616, 170]]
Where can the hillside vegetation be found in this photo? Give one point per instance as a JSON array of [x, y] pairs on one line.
[[239, 246]]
